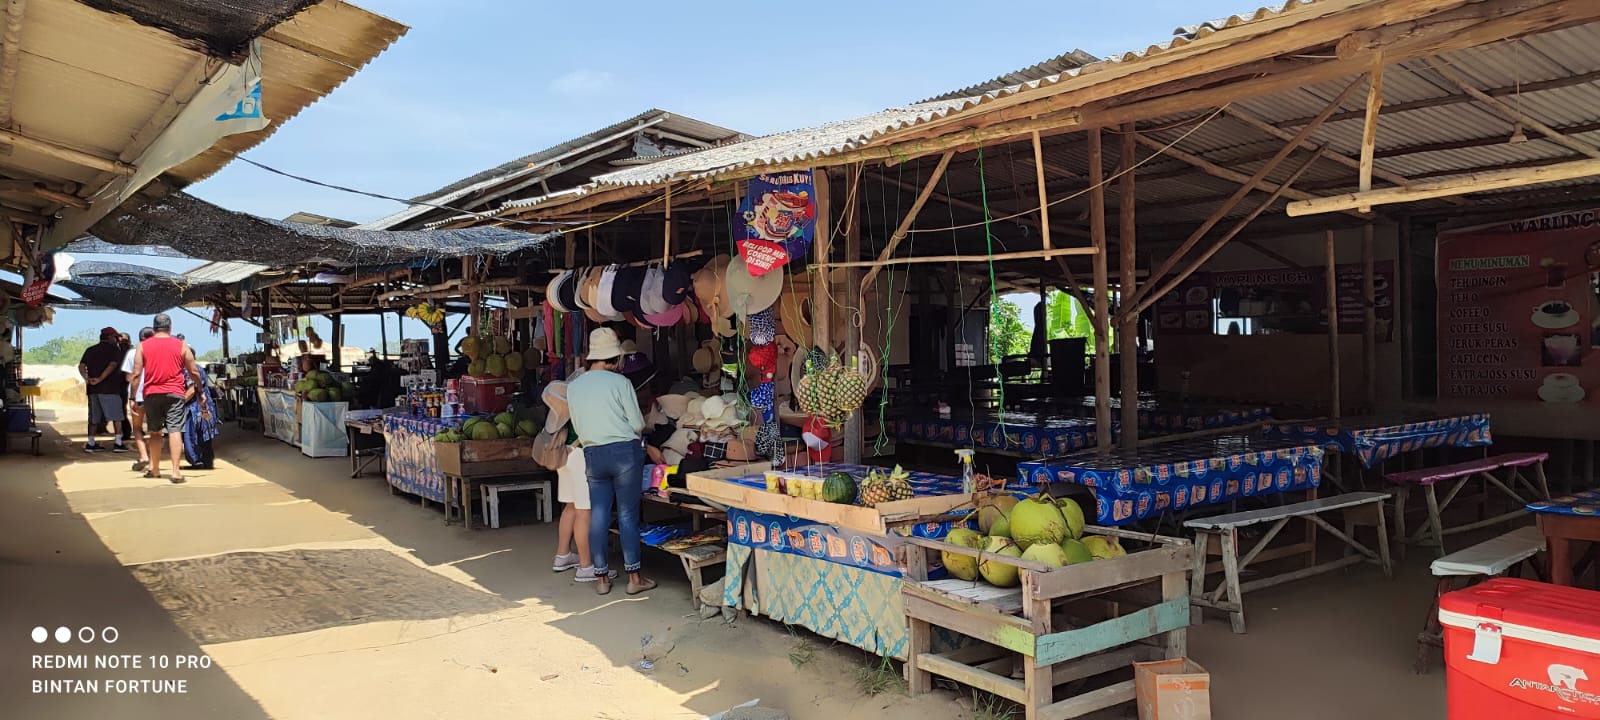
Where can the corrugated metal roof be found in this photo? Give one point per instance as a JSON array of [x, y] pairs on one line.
[[1054, 66], [225, 272]]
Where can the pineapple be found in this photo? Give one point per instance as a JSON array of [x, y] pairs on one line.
[[880, 488], [900, 484]]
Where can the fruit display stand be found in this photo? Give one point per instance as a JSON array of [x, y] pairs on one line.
[[1083, 622], [832, 568], [468, 463], [411, 465], [322, 429]]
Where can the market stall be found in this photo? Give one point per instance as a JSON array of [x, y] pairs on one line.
[[835, 569], [1055, 430], [317, 428]]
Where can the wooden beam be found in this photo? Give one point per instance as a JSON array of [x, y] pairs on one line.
[[1448, 187], [1044, 203], [1458, 98], [906, 223], [1369, 131], [1150, 297], [1218, 171], [1270, 253], [10, 57], [924, 259], [1461, 81], [66, 154], [23, 214], [41, 190], [1256, 122], [1127, 260], [956, 202], [1247, 184], [1102, 312]]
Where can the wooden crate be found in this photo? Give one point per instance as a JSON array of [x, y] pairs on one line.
[[714, 485], [1040, 625], [485, 457]]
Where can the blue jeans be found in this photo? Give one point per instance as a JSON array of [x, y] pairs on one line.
[[616, 472]]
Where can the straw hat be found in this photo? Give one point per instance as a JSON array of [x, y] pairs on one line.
[[693, 413], [673, 406], [794, 315], [724, 326], [748, 294], [716, 412], [707, 357], [604, 345], [709, 283]]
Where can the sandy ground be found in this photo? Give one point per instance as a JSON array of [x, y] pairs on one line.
[[315, 595]]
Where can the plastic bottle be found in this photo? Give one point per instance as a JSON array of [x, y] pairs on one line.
[[969, 479]]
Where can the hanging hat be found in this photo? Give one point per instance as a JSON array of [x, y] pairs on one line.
[[761, 396], [627, 286], [712, 381], [723, 325], [673, 406], [710, 284], [707, 357], [552, 291], [767, 438], [764, 360], [603, 344], [588, 296], [667, 318], [650, 300], [567, 291], [637, 321], [748, 294], [676, 283], [763, 329], [794, 315], [606, 292]]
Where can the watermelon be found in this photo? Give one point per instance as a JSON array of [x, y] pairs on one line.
[[839, 487]]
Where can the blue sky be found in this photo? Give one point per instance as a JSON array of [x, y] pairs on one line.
[[478, 82]]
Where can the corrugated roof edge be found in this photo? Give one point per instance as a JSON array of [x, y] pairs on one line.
[[1054, 66]]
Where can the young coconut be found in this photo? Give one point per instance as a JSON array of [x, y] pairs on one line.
[[997, 573], [962, 566], [988, 515], [1103, 547], [1073, 512], [1001, 528], [1037, 520], [1075, 551], [1046, 553]]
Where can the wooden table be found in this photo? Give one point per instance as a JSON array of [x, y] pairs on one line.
[[1560, 532], [368, 449]]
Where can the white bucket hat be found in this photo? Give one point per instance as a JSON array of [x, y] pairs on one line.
[[604, 345]]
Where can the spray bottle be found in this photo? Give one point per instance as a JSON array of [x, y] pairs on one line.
[[969, 480]]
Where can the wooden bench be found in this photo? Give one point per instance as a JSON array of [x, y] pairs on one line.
[[1360, 508], [1490, 558], [1462, 473], [489, 498], [33, 436], [695, 559]]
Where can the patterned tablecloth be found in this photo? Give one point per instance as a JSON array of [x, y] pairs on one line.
[[1060, 430], [1373, 439], [410, 464], [1133, 486], [1584, 504], [922, 483]]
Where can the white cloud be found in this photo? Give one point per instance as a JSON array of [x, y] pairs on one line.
[[583, 81]]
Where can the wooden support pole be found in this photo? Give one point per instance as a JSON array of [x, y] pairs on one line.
[[1127, 260], [1369, 327], [44, 191], [226, 351], [1102, 314], [383, 337], [666, 229], [1333, 329], [905, 223], [1512, 113], [335, 354], [1044, 203], [1369, 131], [1256, 181], [1447, 187], [1151, 297], [852, 322]]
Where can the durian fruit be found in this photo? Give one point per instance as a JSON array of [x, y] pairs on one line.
[[471, 348], [502, 346], [513, 363], [495, 365]]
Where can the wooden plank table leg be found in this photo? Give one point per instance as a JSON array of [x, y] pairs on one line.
[[1230, 570], [1560, 560], [1435, 522], [919, 681], [466, 503], [1173, 587], [1400, 493], [1383, 543], [1197, 576]]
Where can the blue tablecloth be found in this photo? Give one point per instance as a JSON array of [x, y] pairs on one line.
[[1062, 428], [410, 463], [1133, 486], [1373, 439], [1584, 504]]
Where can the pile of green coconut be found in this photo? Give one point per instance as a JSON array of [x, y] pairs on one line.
[[1038, 528]]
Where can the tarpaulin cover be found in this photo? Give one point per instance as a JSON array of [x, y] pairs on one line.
[[199, 229]]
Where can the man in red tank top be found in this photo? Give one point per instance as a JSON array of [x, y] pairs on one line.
[[164, 362]]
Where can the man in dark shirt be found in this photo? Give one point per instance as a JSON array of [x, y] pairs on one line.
[[100, 368]]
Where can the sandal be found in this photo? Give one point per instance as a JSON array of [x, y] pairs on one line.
[[152, 475], [645, 585], [178, 480], [602, 586]]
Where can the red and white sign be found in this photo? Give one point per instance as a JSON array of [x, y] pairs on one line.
[[762, 256], [33, 294]]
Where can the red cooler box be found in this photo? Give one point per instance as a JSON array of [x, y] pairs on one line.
[[486, 395], [1522, 650]]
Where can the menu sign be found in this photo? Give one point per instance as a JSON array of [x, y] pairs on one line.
[[1517, 310], [1286, 300]]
